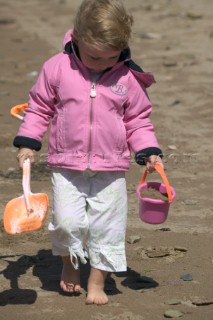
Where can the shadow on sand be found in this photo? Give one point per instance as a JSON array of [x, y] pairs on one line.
[[47, 268]]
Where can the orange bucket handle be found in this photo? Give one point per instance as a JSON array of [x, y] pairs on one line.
[[17, 109], [160, 170]]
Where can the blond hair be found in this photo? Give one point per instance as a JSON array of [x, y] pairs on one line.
[[103, 23]]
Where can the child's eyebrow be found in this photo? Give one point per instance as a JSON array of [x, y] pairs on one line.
[[112, 57], [93, 57], [115, 56]]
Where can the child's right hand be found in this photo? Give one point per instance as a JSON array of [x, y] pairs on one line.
[[151, 161], [23, 154]]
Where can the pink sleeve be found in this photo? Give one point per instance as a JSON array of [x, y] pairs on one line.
[[140, 130], [41, 108]]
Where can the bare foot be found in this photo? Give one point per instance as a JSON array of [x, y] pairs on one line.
[[96, 294], [70, 277]]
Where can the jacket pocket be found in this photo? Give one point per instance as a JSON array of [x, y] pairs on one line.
[[57, 133], [121, 143]]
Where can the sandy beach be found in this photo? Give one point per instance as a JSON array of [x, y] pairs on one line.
[[170, 265]]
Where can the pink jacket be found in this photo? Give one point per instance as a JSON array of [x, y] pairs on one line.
[[92, 125]]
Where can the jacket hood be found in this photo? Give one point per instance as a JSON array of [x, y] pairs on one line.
[[67, 37], [146, 78]]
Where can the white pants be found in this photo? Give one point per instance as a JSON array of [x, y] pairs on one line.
[[89, 217]]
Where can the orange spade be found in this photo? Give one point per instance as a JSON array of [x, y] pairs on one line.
[[27, 212], [14, 111]]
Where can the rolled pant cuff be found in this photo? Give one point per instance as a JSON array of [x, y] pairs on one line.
[[108, 258]]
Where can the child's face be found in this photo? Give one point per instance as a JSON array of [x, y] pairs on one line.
[[97, 59]]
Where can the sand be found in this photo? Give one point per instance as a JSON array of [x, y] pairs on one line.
[[173, 40]]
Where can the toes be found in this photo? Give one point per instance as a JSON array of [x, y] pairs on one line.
[[67, 287], [89, 301], [96, 300], [101, 301], [70, 287], [77, 288]]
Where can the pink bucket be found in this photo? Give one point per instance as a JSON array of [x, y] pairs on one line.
[[155, 211]]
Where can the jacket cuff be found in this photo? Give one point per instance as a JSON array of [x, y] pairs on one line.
[[145, 153], [27, 142]]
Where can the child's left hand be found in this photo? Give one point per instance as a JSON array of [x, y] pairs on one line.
[[151, 161]]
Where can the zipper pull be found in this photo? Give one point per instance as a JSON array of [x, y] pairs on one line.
[[93, 91]]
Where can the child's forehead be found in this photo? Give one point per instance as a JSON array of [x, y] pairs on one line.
[[98, 50]]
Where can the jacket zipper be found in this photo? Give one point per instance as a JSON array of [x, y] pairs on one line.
[[92, 96]]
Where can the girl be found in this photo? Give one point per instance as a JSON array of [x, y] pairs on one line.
[[94, 98]]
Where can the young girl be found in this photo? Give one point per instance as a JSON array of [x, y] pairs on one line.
[[94, 98]]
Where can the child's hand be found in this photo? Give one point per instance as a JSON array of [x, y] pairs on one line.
[[151, 161], [23, 154]]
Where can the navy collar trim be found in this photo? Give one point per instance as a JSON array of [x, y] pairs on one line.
[[124, 56]]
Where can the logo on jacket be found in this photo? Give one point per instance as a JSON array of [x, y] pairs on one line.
[[119, 88]]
